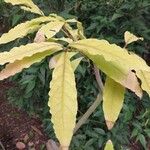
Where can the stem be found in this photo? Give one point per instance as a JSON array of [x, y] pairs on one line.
[[96, 102], [88, 113]]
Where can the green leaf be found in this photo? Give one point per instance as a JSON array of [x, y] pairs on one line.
[[27, 5], [109, 146], [63, 100], [18, 53], [23, 29], [113, 98]]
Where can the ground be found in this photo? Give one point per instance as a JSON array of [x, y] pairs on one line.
[[17, 126]]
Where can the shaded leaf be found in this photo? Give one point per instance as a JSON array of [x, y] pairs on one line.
[[63, 100], [113, 98]]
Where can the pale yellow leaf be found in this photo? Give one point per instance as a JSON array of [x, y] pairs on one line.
[[18, 53], [27, 5], [50, 29], [113, 98], [113, 60], [23, 29], [16, 67], [75, 63], [144, 76], [63, 100], [129, 37], [109, 145]]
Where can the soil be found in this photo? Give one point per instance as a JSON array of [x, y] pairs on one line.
[[17, 126]]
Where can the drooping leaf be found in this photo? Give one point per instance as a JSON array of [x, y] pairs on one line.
[[23, 29], [129, 37], [63, 100], [18, 53], [27, 5], [16, 67], [112, 60], [144, 76], [109, 145], [50, 29], [113, 98], [75, 63]]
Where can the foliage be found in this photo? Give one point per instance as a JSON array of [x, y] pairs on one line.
[[31, 88]]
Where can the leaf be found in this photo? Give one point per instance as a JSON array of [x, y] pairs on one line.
[[18, 53], [113, 98], [24, 29], [16, 67], [129, 38], [76, 62], [50, 29], [144, 76], [109, 146], [112, 60], [63, 100], [27, 5]]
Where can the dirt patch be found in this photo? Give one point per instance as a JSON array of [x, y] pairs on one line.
[[17, 126]]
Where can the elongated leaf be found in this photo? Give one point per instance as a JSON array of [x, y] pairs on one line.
[[112, 60], [109, 146], [63, 100], [50, 29], [129, 37], [144, 76], [113, 98], [23, 29], [27, 5], [18, 53], [16, 67]]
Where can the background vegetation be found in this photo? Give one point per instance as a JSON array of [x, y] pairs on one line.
[[101, 19]]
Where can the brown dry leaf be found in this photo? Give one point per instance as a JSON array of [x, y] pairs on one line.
[[133, 84]]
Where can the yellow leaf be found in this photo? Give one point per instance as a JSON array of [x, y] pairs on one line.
[[144, 76], [23, 29], [18, 53], [63, 100], [109, 145], [75, 63], [27, 5], [50, 29], [129, 38], [13, 68], [113, 98], [113, 60]]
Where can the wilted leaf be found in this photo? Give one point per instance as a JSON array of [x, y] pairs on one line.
[[129, 37], [23, 29], [63, 100], [18, 53], [109, 146], [26, 5], [113, 98]]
